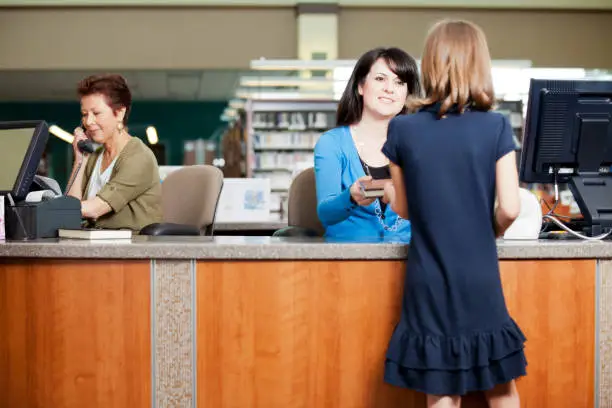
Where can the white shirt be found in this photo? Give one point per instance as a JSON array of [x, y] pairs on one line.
[[98, 180]]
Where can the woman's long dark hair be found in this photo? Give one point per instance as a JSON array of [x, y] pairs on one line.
[[403, 65]]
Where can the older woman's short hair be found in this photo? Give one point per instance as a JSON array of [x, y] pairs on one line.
[[112, 86]]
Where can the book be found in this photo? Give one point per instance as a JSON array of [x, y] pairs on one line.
[[374, 187], [94, 233]]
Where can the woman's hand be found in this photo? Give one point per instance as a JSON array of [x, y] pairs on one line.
[[357, 193], [79, 135]]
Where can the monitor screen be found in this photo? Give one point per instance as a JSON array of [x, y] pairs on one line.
[[22, 145], [15, 143]]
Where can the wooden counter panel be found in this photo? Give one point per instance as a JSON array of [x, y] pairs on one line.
[[553, 302], [314, 333], [75, 334], [297, 334]]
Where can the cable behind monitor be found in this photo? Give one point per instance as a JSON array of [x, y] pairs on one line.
[[575, 233], [552, 216]]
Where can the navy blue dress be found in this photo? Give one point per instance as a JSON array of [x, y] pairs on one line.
[[455, 334]]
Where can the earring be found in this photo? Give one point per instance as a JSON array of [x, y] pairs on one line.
[[120, 126]]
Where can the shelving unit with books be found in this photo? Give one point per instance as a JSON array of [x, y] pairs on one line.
[[514, 110], [281, 136]]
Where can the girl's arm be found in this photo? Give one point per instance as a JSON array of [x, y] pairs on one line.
[[395, 194], [507, 191]]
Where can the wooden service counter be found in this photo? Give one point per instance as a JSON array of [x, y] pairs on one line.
[[260, 322]]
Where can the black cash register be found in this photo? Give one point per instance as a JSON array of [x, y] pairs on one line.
[[34, 206]]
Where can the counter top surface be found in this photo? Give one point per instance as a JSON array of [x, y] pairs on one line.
[[271, 225], [243, 248]]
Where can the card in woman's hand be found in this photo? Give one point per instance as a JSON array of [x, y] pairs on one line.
[[374, 187]]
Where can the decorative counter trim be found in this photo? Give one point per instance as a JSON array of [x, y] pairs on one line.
[[603, 360], [173, 333]]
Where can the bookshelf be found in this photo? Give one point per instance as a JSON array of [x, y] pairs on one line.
[[281, 136], [514, 110]]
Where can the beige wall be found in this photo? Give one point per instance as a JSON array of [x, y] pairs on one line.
[[160, 38], [548, 38], [472, 4], [210, 38]]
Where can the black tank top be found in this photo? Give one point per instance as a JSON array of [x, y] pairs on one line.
[[377, 173]]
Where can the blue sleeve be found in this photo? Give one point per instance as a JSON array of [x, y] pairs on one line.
[[391, 146], [505, 141], [333, 204]]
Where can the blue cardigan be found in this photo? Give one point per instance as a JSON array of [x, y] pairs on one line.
[[337, 167]]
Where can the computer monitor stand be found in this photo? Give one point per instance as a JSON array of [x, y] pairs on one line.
[[593, 194], [592, 190]]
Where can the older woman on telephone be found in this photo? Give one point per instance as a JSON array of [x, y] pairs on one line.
[[118, 183]]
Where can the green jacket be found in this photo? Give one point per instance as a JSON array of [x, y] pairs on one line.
[[133, 190]]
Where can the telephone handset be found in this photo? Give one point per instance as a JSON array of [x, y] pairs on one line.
[[86, 146]]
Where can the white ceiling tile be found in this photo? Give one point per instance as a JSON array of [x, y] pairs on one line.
[[145, 85], [152, 85], [185, 85]]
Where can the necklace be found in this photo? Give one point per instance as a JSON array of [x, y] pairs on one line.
[[377, 208], [361, 148]]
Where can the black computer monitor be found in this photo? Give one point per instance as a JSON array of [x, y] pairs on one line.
[[568, 139], [21, 147]]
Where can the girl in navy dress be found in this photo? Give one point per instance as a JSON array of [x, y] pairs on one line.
[[449, 162]]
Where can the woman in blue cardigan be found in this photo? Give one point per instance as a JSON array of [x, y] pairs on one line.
[[380, 84]]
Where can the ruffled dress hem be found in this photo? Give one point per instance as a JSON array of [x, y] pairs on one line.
[[440, 365]]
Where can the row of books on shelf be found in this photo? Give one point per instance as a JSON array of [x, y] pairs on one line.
[[289, 161], [292, 120], [285, 140]]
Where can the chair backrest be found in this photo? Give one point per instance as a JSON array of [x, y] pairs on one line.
[[190, 196], [302, 205]]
